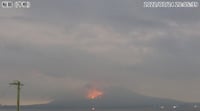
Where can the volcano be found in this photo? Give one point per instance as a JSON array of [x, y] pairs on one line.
[[112, 98]]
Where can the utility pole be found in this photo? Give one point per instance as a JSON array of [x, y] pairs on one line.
[[18, 84]]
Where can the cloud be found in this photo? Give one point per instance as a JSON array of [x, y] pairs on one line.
[[111, 43]]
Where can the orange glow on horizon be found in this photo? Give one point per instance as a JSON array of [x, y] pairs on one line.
[[94, 93]]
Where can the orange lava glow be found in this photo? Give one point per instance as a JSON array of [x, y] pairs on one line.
[[94, 93]]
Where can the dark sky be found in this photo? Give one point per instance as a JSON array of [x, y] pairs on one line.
[[61, 46]]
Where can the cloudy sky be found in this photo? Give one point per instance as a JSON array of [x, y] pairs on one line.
[[61, 46]]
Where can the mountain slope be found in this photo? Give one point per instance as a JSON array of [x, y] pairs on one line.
[[113, 98]]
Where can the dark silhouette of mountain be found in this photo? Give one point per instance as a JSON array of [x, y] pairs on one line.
[[113, 98]]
